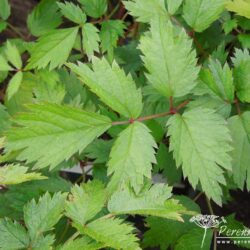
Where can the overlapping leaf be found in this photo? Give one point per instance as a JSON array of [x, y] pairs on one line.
[[240, 130], [199, 14], [14, 174], [49, 134], [52, 49], [111, 84], [200, 141], [240, 7], [131, 157], [169, 58], [145, 10]]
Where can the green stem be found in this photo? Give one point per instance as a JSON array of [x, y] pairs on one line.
[[204, 236]]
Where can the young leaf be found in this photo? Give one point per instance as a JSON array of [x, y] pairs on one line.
[[200, 141], [90, 39], [72, 12], [15, 174], [242, 75], [112, 232], [111, 30], [41, 216], [4, 9], [52, 49], [131, 157], [219, 79], [44, 17], [169, 58], [13, 55], [49, 134], [14, 84], [86, 201], [173, 6], [111, 84], [240, 7], [199, 14], [150, 202], [94, 8], [240, 131], [4, 66], [12, 235], [145, 10]]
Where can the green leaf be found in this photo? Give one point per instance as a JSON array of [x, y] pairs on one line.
[[48, 87], [15, 174], [4, 119], [80, 244], [159, 227], [111, 30], [219, 79], [3, 25], [72, 12], [193, 240], [169, 58], [173, 6], [244, 40], [145, 10], [242, 75], [4, 9], [90, 39], [151, 202], [200, 14], [200, 141], [110, 83], [131, 157], [94, 8], [41, 216], [240, 7], [230, 25], [50, 133], [86, 201], [112, 232], [13, 55], [44, 17], [4, 66], [52, 49], [240, 131], [12, 235], [14, 84]]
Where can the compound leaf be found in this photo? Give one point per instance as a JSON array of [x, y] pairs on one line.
[[169, 58], [44, 17], [240, 131], [199, 14], [13, 55], [112, 232], [15, 174], [200, 141], [86, 201], [131, 157], [49, 134], [112, 85], [52, 49], [41, 216]]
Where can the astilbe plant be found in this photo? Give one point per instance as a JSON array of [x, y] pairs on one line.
[[130, 89]]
